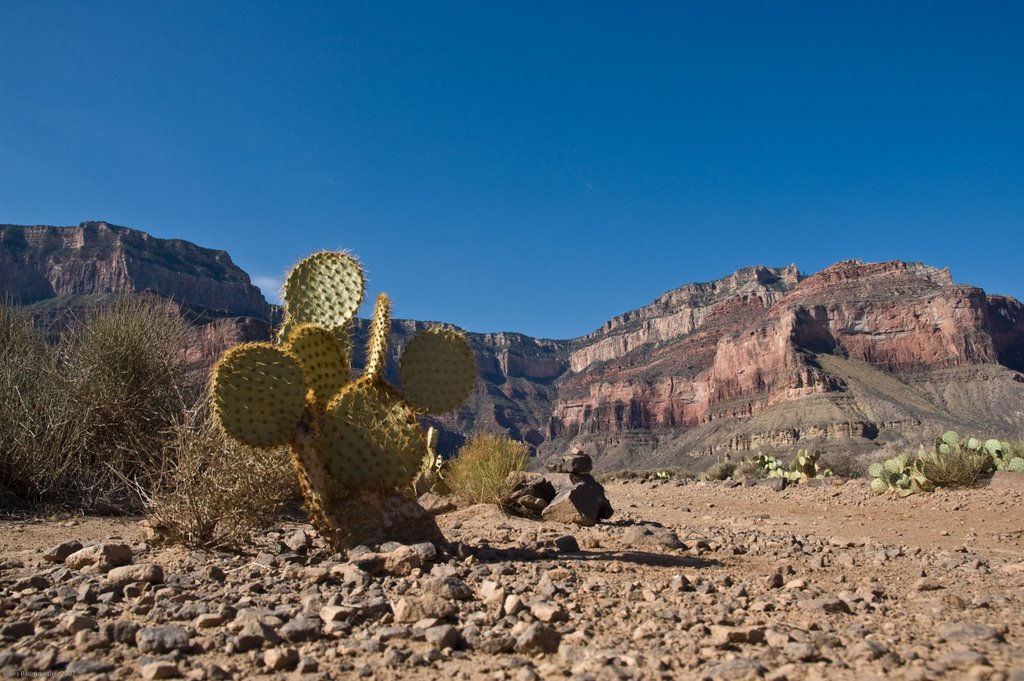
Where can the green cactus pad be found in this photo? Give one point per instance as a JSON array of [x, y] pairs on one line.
[[993, 447], [372, 438], [324, 365], [973, 444], [325, 289], [1016, 465], [258, 394], [878, 486], [438, 371], [951, 438], [377, 344], [875, 470]]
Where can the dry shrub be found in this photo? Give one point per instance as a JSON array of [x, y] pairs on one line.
[[213, 492], [720, 470], [83, 421], [749, 470], [844, 464], [480, 472], [956, 468]]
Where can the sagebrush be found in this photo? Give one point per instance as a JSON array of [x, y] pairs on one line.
[[480, 472], [84, 418], [213, 492]]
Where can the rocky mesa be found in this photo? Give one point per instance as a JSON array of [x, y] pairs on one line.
[[852, 358], [856, 356]]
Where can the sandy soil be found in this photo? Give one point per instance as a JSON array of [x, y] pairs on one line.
[[687, 581]]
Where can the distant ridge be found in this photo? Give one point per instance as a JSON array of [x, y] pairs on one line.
[[855, 357]]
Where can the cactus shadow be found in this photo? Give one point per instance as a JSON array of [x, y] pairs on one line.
[[646, 558]]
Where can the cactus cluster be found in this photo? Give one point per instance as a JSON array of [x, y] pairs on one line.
[[803, 467], [953, 461], [354, 443], [1004, 458], [899, 475]]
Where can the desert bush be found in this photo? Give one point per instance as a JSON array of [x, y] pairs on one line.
[[750, 469], [480, 471], [212, 492], [723, 469], [844, 464], [84, 420], [953, 467]]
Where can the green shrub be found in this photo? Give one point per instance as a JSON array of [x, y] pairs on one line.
[[480, 472], [723, 469], [211, 491]]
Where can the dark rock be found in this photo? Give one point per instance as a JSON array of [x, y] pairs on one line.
[[301, 629], [443, 636], [651, 538], [538, 638], [567, 544], [86, 667], [161, 640], [60, 552], [572, 463], [11, 630]]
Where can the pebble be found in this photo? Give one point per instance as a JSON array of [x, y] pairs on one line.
[[160, 670]]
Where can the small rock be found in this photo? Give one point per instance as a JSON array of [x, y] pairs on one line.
[[443, 636], [60, 552], [826, 604], [86, 640], [435, 504], [142, 572], [160, 669], [567, 544], [736, 669], [104, 556], [299, 541], [427, 606], [651, 538], [75, 623], [280, 659], [549, 612], [573, 463], [161, 640], [970, 632], [579, 504], [336, 613], [301, 629], [17, 629], [208, 621], [538, 638], [724, 635]]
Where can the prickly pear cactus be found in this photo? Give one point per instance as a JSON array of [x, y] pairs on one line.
[[355, 443], [898, 475], [802, 468]]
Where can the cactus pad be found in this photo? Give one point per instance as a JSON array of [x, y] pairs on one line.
[[325, 289], [438, 371], [258, 394], [324, 365], [377, 344], [372, 438]]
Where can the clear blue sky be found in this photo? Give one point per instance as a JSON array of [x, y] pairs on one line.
[[534, 167]]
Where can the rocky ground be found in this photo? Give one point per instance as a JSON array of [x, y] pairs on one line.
[[686, 581]]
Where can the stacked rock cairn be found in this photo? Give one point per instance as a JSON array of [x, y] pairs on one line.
[[567, 493]]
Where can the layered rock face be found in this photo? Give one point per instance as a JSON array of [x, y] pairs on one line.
[[856, 355], [37, 263]]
